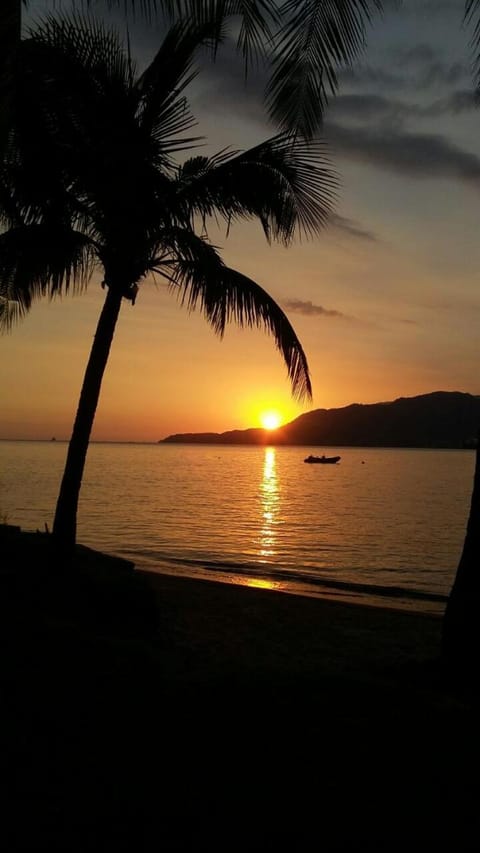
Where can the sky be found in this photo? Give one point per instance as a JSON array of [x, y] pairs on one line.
[[385, 301]]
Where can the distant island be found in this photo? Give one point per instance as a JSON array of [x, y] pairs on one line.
[[443, 419]]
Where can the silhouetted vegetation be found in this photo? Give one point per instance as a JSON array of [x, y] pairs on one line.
[[303, 44], [96, 186], [460, 640]]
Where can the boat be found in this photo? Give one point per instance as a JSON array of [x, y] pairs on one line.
[[323, 460]]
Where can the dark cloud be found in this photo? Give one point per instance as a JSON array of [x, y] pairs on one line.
[[418, 54], [363, 107], [436, 7], [425, 65], [405, 76], [308, 309], [351, 228], [414, 154], [367, 76], [441, 74], [368, 108], [461, 101]]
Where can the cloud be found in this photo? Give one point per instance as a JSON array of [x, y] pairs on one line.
[[368, 107], [440, 74], [418, 54], [352, 228], [461, 101], [436, 7], [367, 75], [308, 309], [414, 154], [408, 75], [364, 107]]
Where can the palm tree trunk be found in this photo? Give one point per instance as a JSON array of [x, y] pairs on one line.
[[461, 633], [10, 33], [65, 522]]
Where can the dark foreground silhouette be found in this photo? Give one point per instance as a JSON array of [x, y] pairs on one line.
[[170, 714]]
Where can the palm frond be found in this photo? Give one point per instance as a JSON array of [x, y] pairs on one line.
[[87, 42], [472, 18], [36, 261], [10, 313], [225, 295], [314, 39], [471, 6], [33, 187], [163, 110], [87, 123], [286, 182], [256, 17], [79, 75]]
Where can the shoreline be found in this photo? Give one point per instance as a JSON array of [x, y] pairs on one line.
[[343, 592], [212, 629]]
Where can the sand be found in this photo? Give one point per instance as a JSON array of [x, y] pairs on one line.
[[309, 724], [214, 628], [223, 718]]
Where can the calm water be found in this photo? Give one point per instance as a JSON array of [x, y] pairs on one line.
[[384, 523]]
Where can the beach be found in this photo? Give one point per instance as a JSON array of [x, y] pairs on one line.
[[213, 627], [322, 725], [151, 712]]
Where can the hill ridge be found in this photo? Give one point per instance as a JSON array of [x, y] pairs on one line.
[[449, 419]]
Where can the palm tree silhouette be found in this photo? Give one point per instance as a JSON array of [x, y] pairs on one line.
[[96, 187], [302, 41]]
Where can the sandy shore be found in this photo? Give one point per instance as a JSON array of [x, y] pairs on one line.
[[223, 718], [210, 628], [308, 724]]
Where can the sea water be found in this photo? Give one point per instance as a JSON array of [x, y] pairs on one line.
[[383, 525]]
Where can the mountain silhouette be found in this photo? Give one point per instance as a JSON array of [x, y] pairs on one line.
[[441, 419]]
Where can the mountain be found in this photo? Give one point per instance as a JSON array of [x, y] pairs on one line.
[[440, 419]]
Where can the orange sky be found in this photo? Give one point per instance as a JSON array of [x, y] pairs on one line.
[[397, 270]]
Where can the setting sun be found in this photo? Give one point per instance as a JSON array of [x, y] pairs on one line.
[[270, 420]]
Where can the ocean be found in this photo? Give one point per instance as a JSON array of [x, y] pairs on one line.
[[383, 526]]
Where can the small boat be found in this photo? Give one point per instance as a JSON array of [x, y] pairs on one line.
[[323, 460]]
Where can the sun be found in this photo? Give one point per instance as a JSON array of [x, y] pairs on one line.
[[270, 420]]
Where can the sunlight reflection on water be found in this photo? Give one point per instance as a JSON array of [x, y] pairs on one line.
[[270, 499]]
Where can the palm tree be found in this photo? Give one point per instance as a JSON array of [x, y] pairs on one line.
[[303, 42], [96, 186], [460, 637], [460, 645]]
